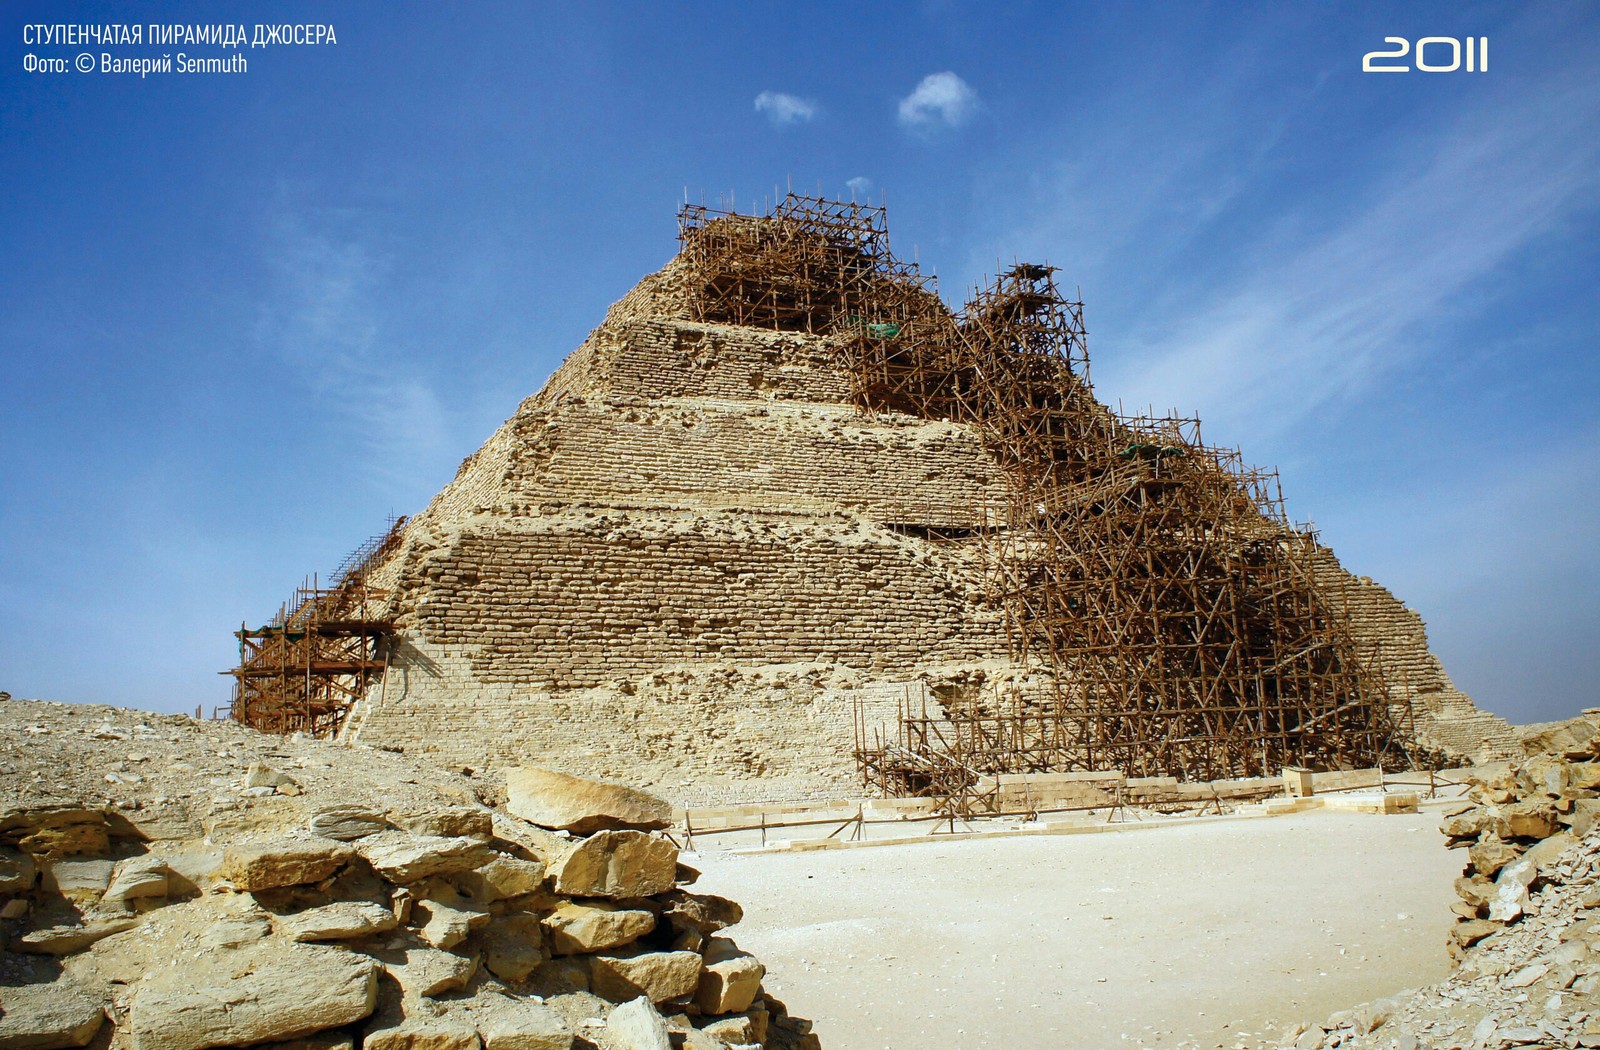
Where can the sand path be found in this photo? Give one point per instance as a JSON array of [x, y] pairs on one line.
[[1193, 935]]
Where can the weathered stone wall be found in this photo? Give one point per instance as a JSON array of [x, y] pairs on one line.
[[623, 580], [578, 599]]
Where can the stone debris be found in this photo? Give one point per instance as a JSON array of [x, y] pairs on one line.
[[380, 903]]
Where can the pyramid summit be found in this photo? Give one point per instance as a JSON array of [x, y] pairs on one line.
[[785, 521]]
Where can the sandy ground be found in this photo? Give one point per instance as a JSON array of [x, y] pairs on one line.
[[1195, 935]]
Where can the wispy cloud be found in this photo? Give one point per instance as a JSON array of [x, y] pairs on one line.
[[784, 109], [1310, 321], [323, 319], [859, 186], [941, 100]]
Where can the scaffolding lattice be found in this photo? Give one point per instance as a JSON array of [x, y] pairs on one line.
[[1156, 579], [322, 652]]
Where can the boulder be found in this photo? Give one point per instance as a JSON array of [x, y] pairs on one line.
[[1490, 853], [269, 993], [513, 946], [1464, 825], [659, 976], [618, 864], [339, 921], [444, 926], [272, 863], [17, 871], [576, 928], [473, 822], [424, 972], [636, 1025], [65, 940], [518, 1024], [346, 823], [411, 1025], [137, 878], [580, 805], [1524, 820], [48, 1016], [703, 913], [730, 978], [404, 858], [1470, 931], [80, 879], [505, 877]]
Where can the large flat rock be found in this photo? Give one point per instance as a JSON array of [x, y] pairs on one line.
[[581, 805], [270, 993]]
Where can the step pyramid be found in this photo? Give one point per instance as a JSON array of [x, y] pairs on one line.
[[741, 533]]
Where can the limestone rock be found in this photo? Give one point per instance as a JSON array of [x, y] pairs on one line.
[[703, 913], [513, 946], [473, 822], [1490, 853], [735, 1029], [505, 877], [1471, 931], [404, 858], [511, 1024], [138, 878], [422, 971], [339, 921], [17, 871], [64, 940], [659, 976], [444, 926], [581, 805], [1524, 820], [730, 980], [273, 863], [577, 928], [48, 1016], [81, 879], [272, 992], [636, 1025], [537, 842], [346, 823], [419, 1026], [618, 864]]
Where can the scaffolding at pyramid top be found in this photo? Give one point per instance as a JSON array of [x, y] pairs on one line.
[[1179, 615]]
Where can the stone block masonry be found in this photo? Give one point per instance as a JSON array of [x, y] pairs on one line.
[[691, 558]]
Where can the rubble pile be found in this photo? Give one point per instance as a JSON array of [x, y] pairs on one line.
[[179, 885]]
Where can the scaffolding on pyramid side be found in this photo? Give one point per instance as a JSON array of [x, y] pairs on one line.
[[321, 653], [1156, 579]]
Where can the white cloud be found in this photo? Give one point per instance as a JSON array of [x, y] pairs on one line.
[[784, 109], [860, 186], [942, 99]]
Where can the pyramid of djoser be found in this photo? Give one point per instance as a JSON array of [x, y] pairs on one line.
[[782, 489]]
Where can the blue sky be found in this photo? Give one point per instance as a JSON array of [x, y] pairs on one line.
[[244, 318]]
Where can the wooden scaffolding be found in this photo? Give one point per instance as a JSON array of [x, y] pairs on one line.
[[1177, 612], [323, 651]]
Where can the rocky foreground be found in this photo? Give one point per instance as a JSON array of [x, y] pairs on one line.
[[1527, 933], [167, 884]]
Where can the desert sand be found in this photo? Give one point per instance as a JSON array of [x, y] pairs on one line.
[[1200, 934]]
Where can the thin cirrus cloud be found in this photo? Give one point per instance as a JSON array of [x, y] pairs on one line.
[[941, 100], [1320, 321], [323, 317], [784, 109]]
